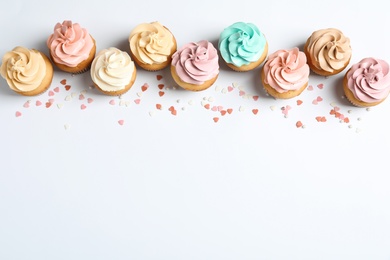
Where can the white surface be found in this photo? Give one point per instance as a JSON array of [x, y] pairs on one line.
[[184, 187]]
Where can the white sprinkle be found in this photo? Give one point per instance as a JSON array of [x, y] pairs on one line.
[[303, 126], [241, 108], [74, 94], [191, 102], [67, 126], [235, 84], [272, 108], [68, 98], [122, 102], [218, 88], [183, 108], [177, 100], [59, 106], [333, 104], [151, 113], [224, 91], [211, 99], [350, 126], [359, 119], [349, 111], [368, 109], [358, 130], [84, 92], [139, 94]]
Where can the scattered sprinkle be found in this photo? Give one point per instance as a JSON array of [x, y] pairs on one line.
[[18, 113]]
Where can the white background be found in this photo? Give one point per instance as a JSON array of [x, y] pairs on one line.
[[75, 184]]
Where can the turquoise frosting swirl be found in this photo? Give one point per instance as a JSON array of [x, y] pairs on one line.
[[241, 43]]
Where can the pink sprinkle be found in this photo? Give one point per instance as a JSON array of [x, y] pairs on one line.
[[57, 89], [230, 88], [27, 104], [310, 88], [38, 103], [81, 97], [51, 93], [137, 101], [83, 106], [255, 98], [112, 102], [320, 86], [90, 100], [121, 121], [51, 100], [18, 113]]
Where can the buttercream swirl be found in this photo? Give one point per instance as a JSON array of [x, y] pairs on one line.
[[286, 70], [23, 69], [69, 44], [241, 43], [369, 80], [112, 69], [152, 43], [329, 49], [196, 63]]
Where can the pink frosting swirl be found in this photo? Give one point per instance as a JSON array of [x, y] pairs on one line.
[[286, 70], [196, 63], [369, 80], [69, 44]]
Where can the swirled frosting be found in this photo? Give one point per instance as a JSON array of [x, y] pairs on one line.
[[112, 69], [196, 63], [69, 44], [241, 43], [329, 49], [369, 80], [23, 69], [152, 43], [286, 70]]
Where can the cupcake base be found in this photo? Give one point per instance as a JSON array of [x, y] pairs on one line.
[[285, 95], [189, 86], [251, 65]]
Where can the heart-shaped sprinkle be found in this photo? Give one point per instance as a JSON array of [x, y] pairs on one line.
[[144, 87], [207, 106], [81, 97], [112, 102], [255, 111], [161, 93], [56, 89], [310, 88], [90, 100], [38, 103], [320, 86], [159, 77], [215, 119], [83, 106], [26, 104], [214, 108], [299, 102], [241, 93], [137, 101], [255, 98], [230, 88], [51, 93], [67, 87], [18, 113], [223, 112], [63, 82], [160, 86], [158, 106], [298, 124], [229, 110], [121, 122]]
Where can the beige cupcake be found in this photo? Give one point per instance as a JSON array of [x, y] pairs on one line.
[[27, 72], [152, 46], [328, 51]]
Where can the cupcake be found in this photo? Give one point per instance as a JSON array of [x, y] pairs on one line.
[[71, 47], [152, 46], [195, 66], [367, 83], [285, 74], [242, 46], [328, 51], [113, 72], [27, 72]]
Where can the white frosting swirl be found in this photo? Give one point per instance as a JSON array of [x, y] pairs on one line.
[[112, 69]]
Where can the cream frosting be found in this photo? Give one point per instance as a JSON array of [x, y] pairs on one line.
[[241, 43], [69, 44], [286, 70], [369, 80], [329, 49], [152, 43], [196, 63], [23, 69], [112, 69]]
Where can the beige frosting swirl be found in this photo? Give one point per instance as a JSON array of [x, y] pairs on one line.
[[23, 69], [112, 69], [328, 50], [152, 43]]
